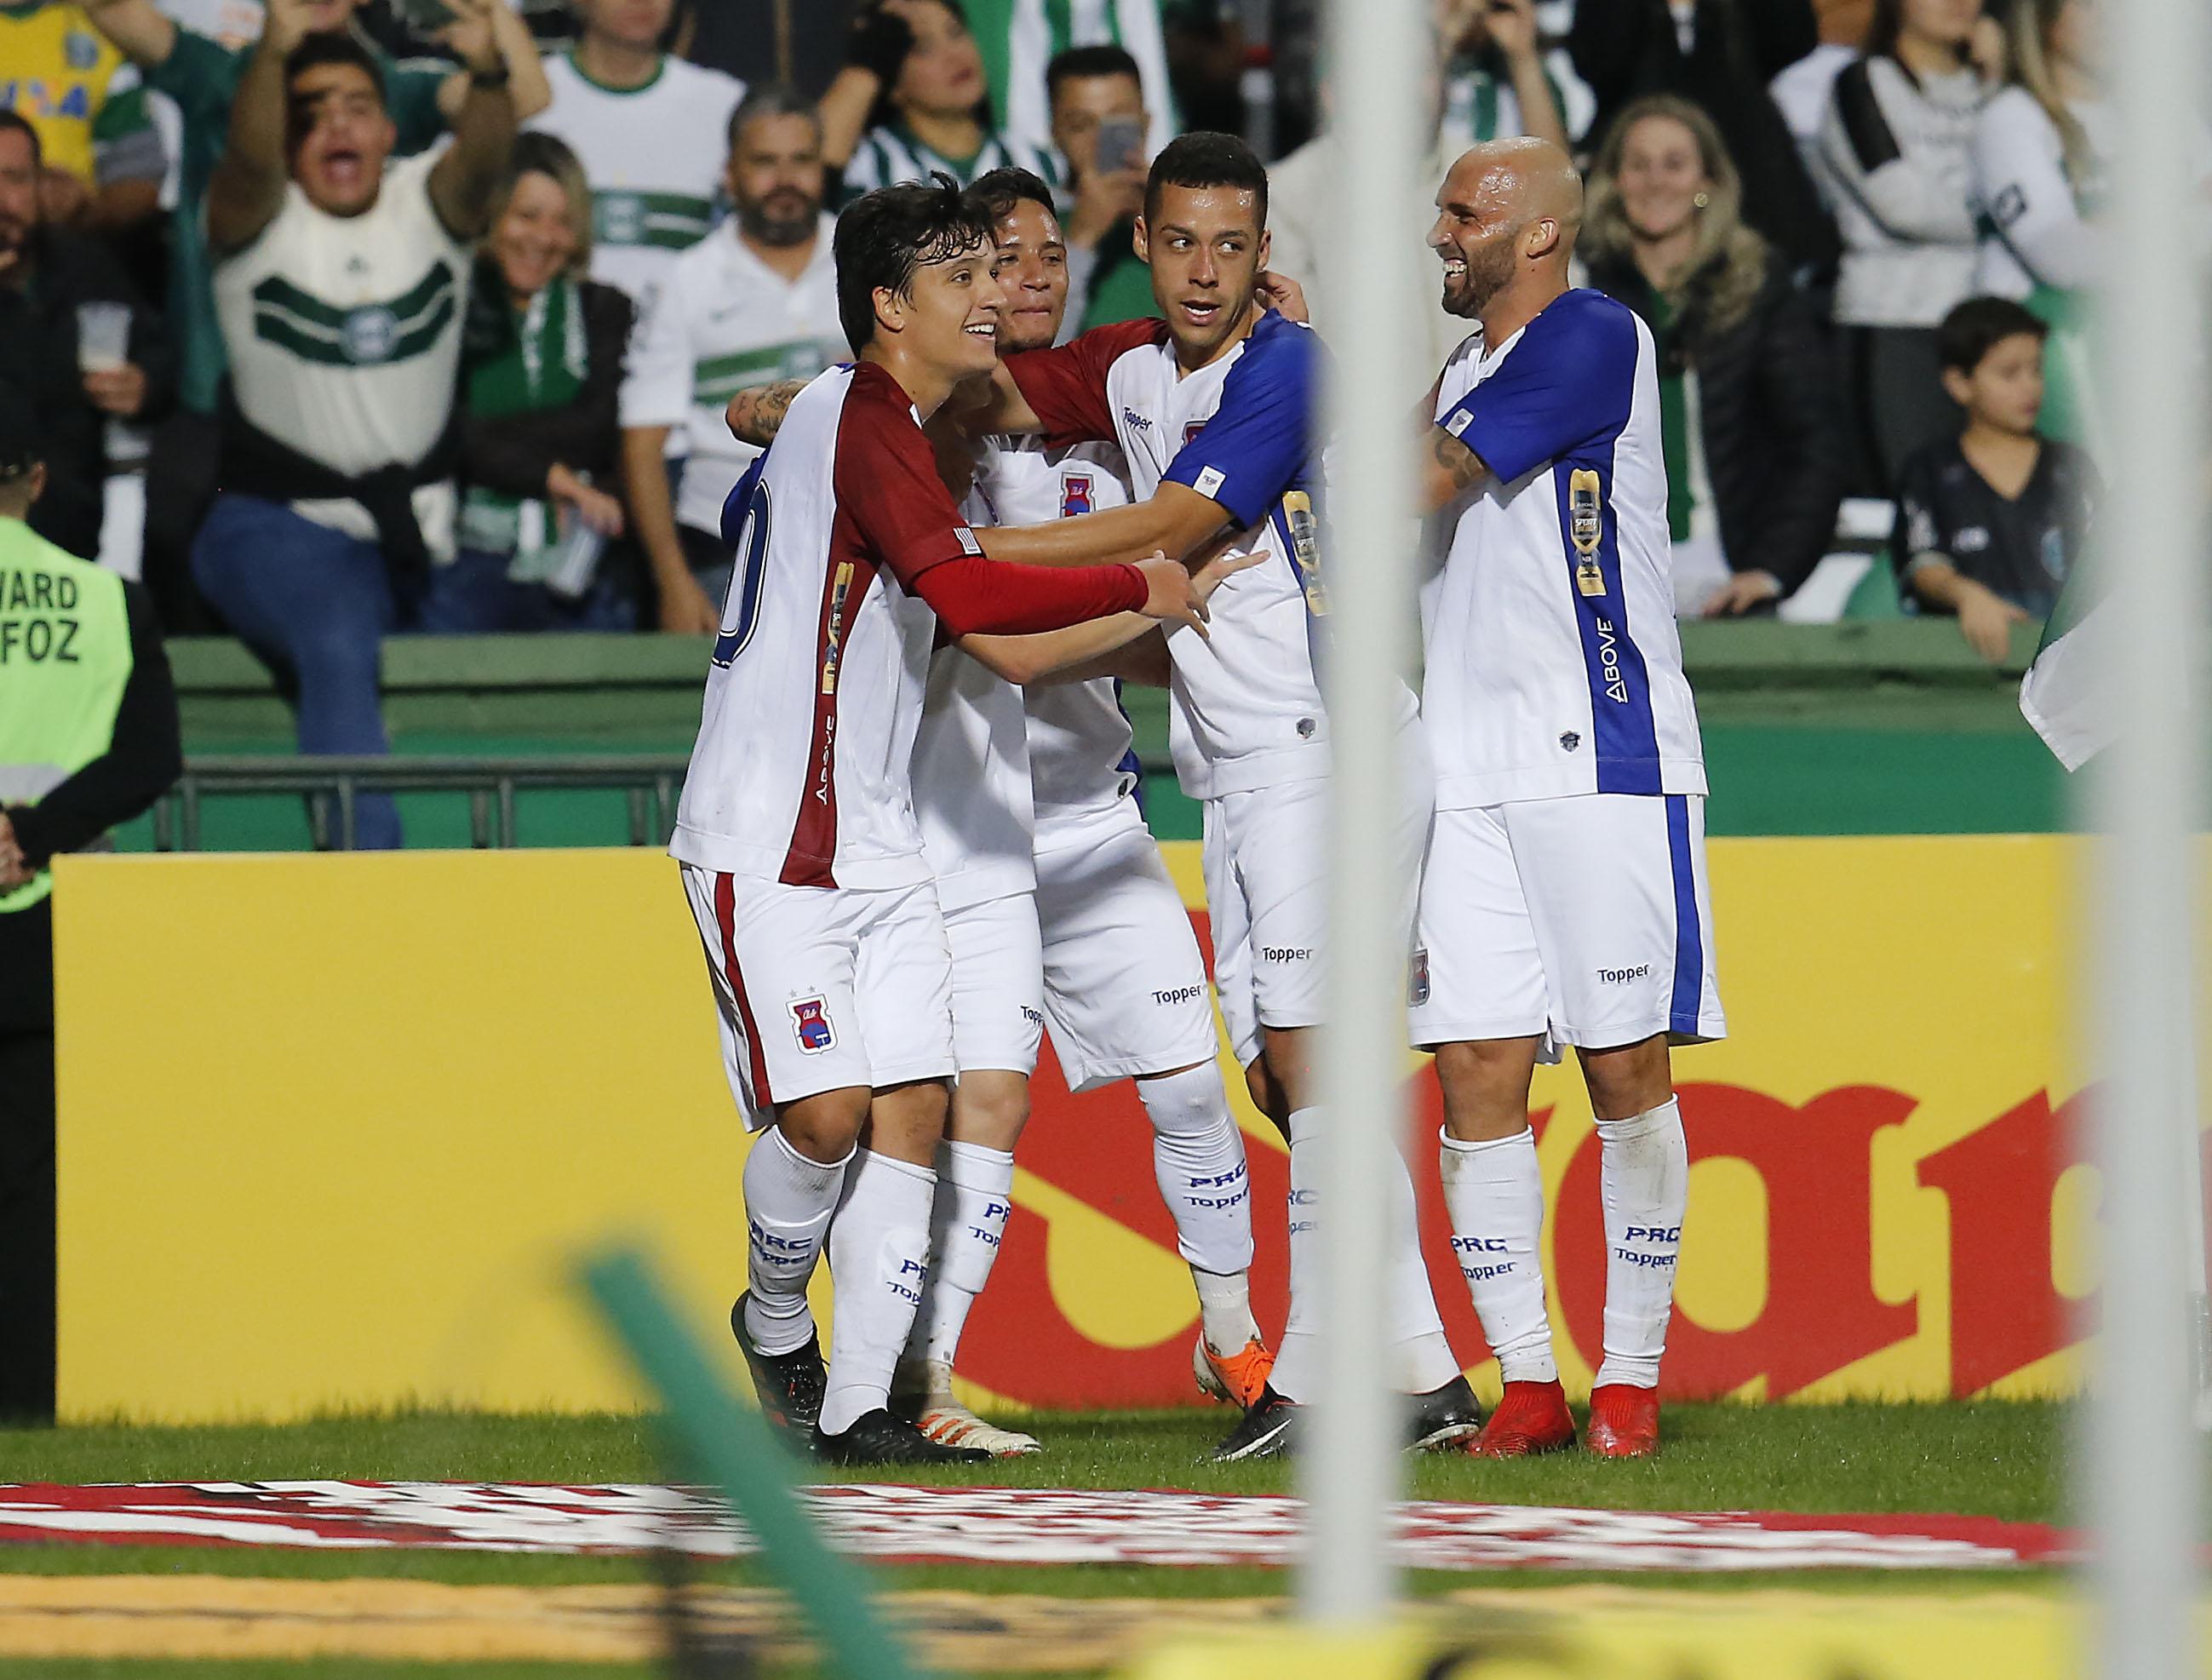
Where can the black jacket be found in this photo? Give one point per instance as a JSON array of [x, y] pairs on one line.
[[38, 353], [1769, 401], [1625, 49], [511, 454]]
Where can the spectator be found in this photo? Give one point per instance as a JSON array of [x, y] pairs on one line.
[[1747, 396], [88, 740], [341, 279], [1990, 523], [1019, 40], [1720, 55], [635, 117], [46, 276], [796, 43], [1896, 149], [2041, 150], [542, 371], [1206, 61], [912, 102], [104, 159], [754, 303], [1495, 83], [1097, 91]]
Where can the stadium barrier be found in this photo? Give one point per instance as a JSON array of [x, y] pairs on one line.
[[333, 1128]]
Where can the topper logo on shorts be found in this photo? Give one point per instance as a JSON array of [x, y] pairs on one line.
[[1622, 976], [1179, 995], [1074, 495], [810, 1019]]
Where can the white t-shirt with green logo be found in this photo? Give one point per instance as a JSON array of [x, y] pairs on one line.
[[653, 157], [725, 321]]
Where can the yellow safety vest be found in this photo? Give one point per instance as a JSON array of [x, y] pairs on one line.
[[64, 661]]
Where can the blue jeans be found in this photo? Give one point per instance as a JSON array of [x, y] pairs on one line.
[[314, 605], [474, 596]]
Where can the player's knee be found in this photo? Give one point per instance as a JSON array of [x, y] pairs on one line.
[[990, 1109], [824, 1128], [1266, 1095], [1628, 1078], [1485, 1087]]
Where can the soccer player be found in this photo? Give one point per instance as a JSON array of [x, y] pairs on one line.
[[1059, 911], [1564, 900], [1211, 407], [802, 859]]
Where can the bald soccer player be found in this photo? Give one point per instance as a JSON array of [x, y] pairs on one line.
[[1564, 900]]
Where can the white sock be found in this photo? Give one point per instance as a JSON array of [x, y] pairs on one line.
[[975, 1194], [1297, 1361], [878, 1261], [1421, 1358], [1643, 1170], [1198, 1156], [1495, 1194], [788, 1202]]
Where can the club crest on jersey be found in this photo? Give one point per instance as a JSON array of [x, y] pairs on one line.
[[1074, 495], [810, 1019]]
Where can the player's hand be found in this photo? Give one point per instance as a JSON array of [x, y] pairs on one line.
[[1217, 571], [1743, 591], [1284, 297], [120, 392], [1171, 593], [1986, 620], [686, 609]]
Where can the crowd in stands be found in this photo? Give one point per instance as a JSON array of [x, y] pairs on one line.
[[452, 292]]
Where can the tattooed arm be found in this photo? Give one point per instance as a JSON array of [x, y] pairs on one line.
[[754, 415], [1447, 468]]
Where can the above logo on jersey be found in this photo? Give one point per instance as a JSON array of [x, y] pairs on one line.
[[370, 334], [1074, 495], [810, 1019], [1417, 990]]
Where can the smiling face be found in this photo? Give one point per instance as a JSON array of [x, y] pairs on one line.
[[943, 75], [1206, 248], [1475, 235], [950, 316], [341, 137], [534, 240], [775, 180], [1031, 268], [1661, 173]]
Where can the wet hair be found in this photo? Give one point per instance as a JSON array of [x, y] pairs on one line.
[[884, 236], [1204, 158], [995, 194], [772, 98], [1977, 327], [1077, 63]]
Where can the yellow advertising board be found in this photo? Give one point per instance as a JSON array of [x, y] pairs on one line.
[[333, 1128]]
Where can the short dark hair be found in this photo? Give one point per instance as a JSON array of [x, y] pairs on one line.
[[1078, 63], [884, 236], [335, 46], [14, 122], [771, 99], [996, 193], [1205, 158], [1977, 327]]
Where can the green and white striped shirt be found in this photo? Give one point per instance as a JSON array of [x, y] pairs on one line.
[[1019, 38], [890, 155]]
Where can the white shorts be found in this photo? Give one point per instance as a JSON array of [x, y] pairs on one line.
[[820, 988], [998, 984], [1124, 983], [1586, 919], [1232, 947]]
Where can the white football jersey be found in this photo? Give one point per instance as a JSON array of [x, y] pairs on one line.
[[1554, 665], [1248, 710], [801, 771], [723, 322], [986, 771], [653, 157]]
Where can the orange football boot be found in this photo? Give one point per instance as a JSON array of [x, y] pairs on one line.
[[1530, 1418], [1234, 1377], [1624, 1422]]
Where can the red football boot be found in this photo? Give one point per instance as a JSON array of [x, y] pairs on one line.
[[1624, 1422], [1530, 1418]]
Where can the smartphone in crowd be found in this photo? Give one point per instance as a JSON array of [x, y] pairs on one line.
[[1121, 145]]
